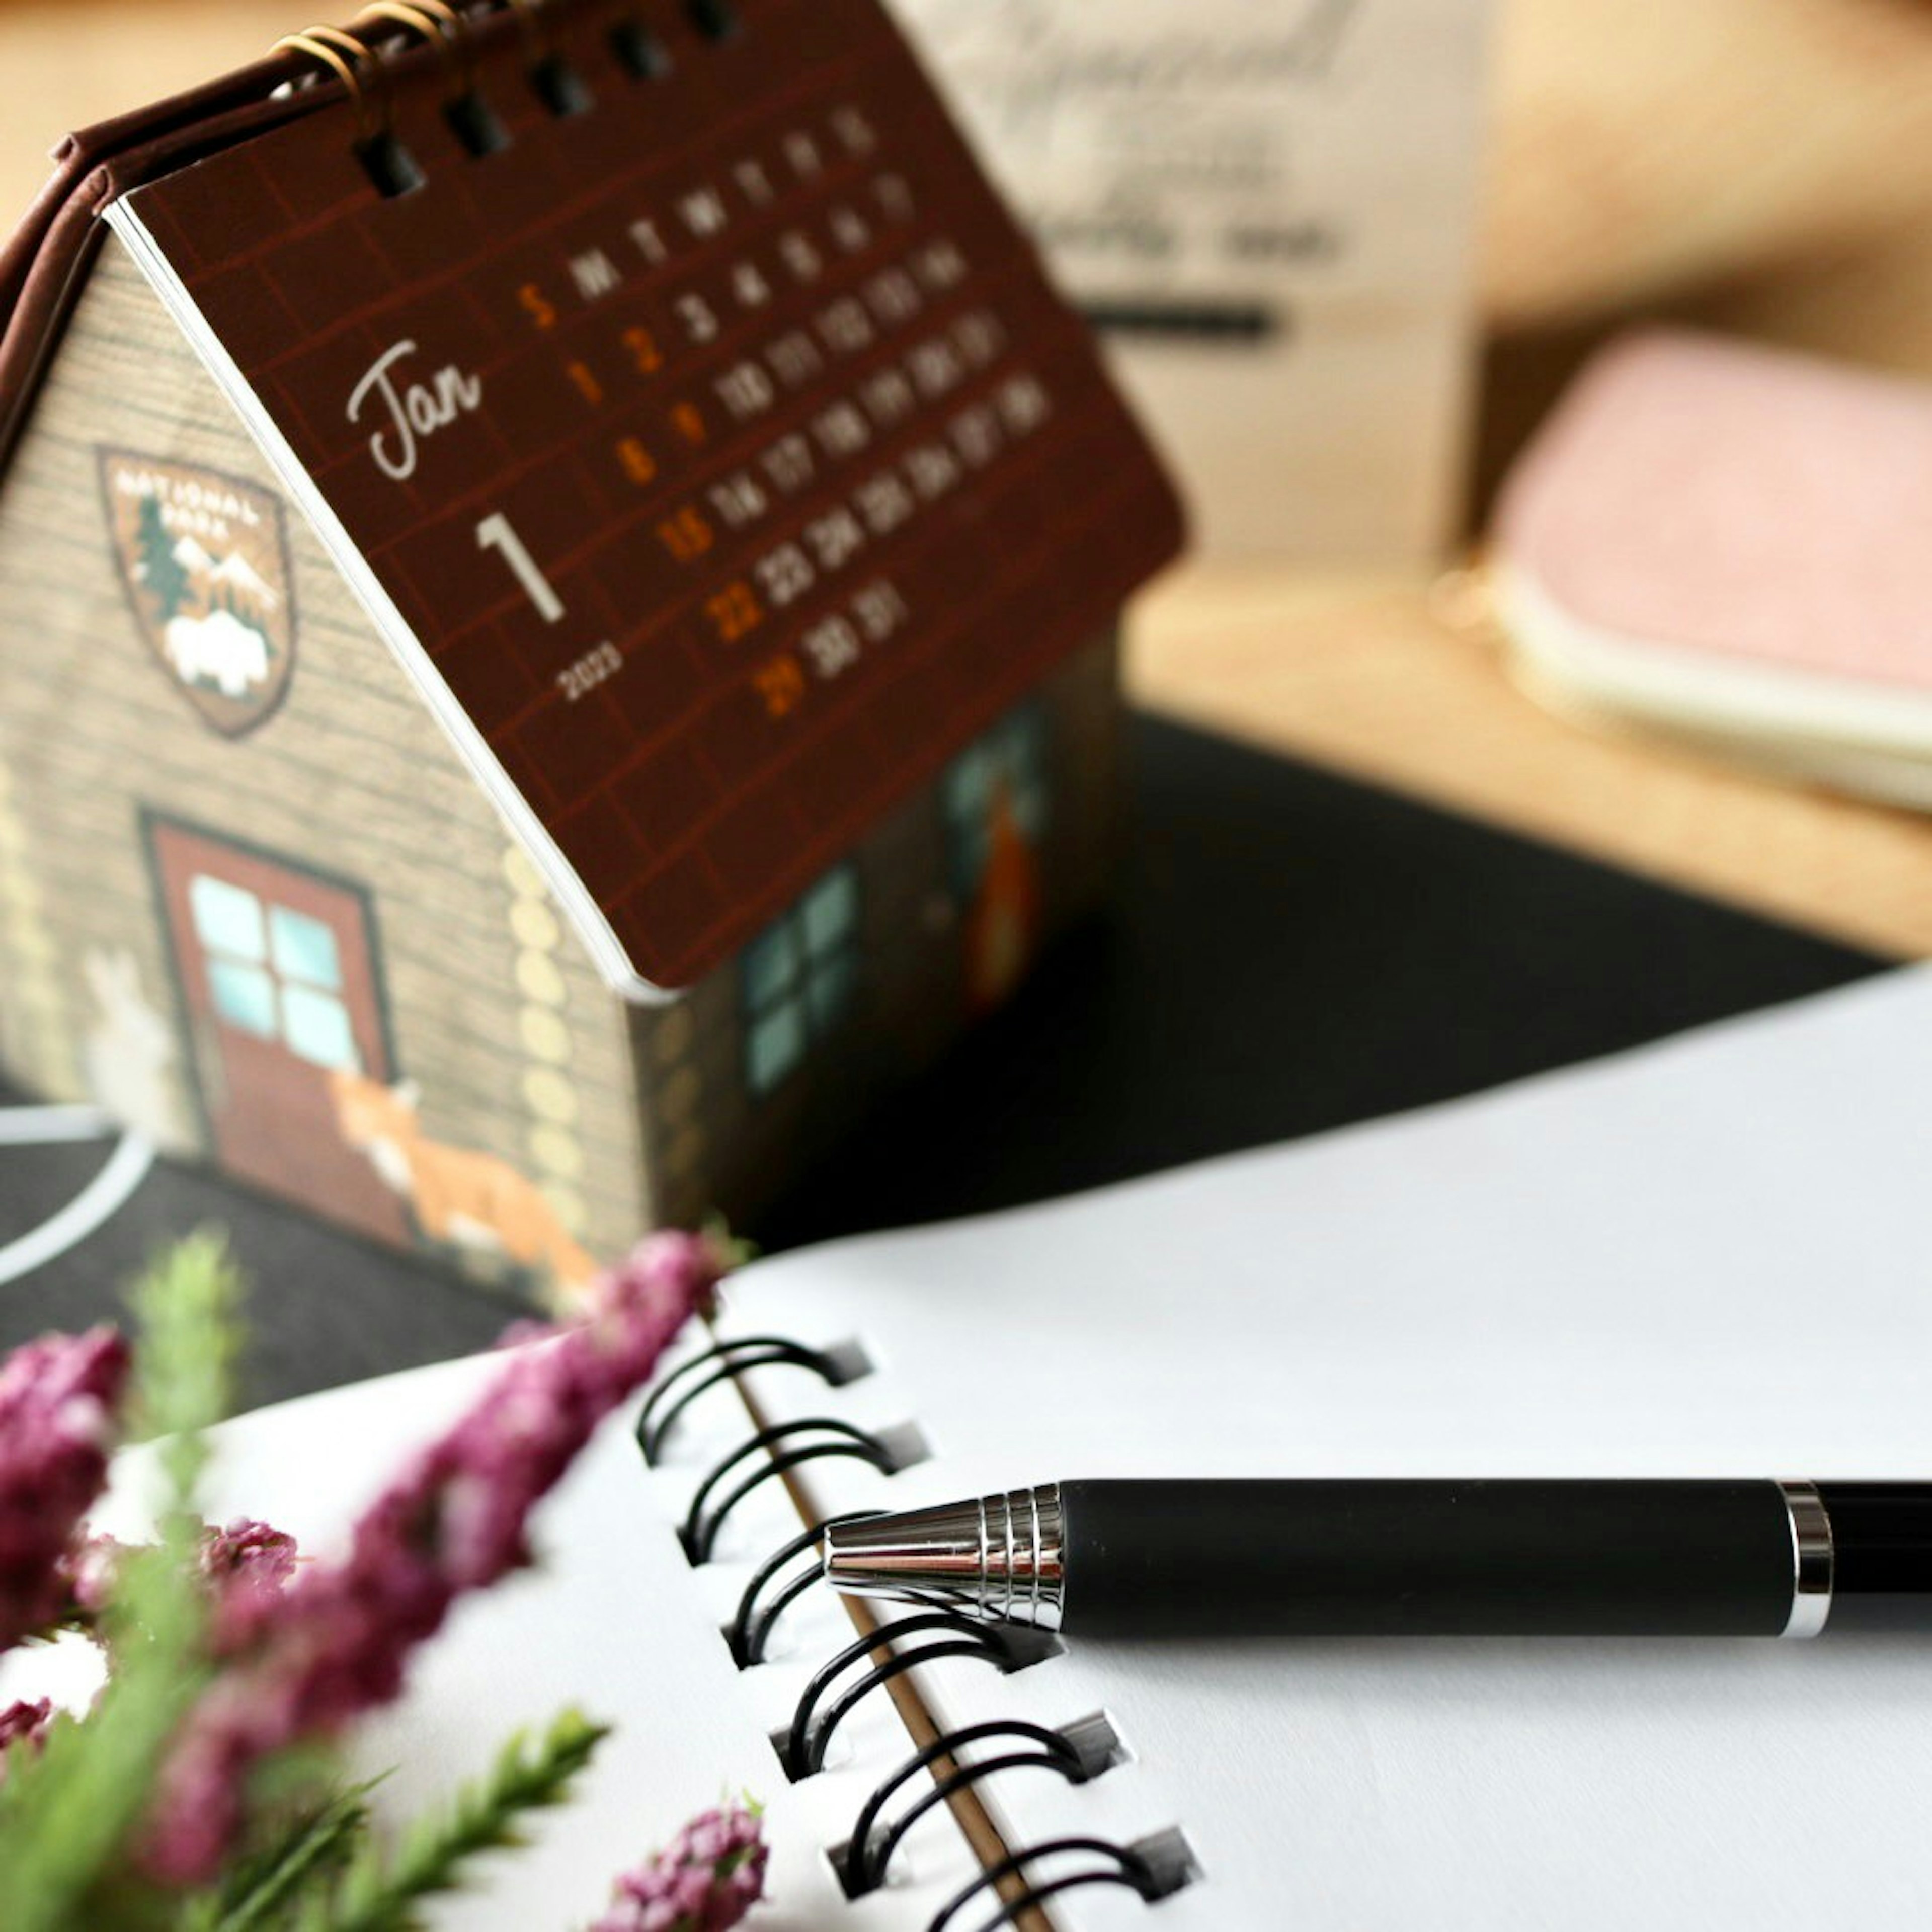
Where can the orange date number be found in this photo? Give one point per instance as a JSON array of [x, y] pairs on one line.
[[686, 535], [780, 684], [734, 612], [640, 465]]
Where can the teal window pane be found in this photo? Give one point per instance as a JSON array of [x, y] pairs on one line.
[[1009, 762], [967, 782], [1023, 760], [304, 948], [316, 1026], [227, 919], [830, 912], [770, 967], [798, 978], [1029, 802], [829, 993], [776, 1045], [245, 997]]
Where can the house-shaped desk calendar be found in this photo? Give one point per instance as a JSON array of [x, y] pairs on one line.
[[557, 571]]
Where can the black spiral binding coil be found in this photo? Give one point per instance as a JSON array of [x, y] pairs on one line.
[[826, 1437], [358, 60], [669, 1400], [816, 1721], [872, 1661], [750, 1631], [871, 1851], [1125, 1865]]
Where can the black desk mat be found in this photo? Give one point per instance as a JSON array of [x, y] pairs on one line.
[[1290, 951]]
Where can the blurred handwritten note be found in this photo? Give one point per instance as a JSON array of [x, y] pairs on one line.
[[1266, 206]]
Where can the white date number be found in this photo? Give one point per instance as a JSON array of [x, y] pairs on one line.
[[579, 680]]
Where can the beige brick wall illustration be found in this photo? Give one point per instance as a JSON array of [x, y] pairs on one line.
[[620, 1114], [37, 1038], [495, 1009], [574, 1113]]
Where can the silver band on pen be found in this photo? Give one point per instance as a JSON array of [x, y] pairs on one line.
[[1813, 1559], [1026, 1544]]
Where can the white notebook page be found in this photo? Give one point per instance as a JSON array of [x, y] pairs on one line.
[[1713, 1257], [615, 1621]]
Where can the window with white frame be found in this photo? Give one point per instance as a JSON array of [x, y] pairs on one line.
[[797, 978], [273, 972], [1010, 760]]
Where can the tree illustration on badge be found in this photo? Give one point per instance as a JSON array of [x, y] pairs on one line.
[[163, 574], [204, 559]]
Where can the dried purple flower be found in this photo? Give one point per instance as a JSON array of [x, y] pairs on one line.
[[304, 1662], [705, 1880], [57, 1402], [248, 1556], [25, 1721], [88, 1574]]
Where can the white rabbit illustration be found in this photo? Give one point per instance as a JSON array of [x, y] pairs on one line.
[[129, 1051]]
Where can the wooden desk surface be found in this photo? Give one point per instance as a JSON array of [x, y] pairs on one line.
[[1359, 675]]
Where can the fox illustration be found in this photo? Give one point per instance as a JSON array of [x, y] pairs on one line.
[[1002, 925], [473, 1201]]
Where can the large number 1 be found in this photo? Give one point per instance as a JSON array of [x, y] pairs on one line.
[[494, 532]]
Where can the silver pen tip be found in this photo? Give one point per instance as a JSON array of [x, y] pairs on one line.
[[999, 1557]]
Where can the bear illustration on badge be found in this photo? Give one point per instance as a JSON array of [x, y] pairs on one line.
[[204, 559]]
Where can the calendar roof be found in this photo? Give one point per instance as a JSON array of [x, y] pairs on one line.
[[715, 456]]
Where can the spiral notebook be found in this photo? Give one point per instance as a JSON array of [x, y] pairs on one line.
[[1701, 1259]]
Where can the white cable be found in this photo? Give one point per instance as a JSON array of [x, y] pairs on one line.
[[42, 1126], [95, 1204]]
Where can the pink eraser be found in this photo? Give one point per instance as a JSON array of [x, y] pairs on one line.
[[1712, 497]]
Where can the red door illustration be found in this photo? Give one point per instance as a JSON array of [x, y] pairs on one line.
[[277, 968]]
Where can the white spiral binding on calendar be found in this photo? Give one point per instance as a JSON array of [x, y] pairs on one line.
[[358, 57], [1079, 1752]]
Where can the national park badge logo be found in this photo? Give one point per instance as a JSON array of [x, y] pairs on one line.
[[204, 560]]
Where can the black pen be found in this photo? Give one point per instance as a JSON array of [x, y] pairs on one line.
[[1343, 1558]]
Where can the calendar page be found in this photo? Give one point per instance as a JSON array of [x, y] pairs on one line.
[[698, 428]]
